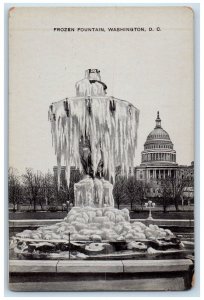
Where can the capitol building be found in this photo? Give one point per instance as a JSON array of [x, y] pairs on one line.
[[158, 160], [158, 156]]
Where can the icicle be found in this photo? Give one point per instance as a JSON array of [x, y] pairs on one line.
[[109, 123]]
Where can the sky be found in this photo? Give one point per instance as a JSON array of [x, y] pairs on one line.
[[151, 69]]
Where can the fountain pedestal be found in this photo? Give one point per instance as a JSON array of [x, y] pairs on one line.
[[93, 193]]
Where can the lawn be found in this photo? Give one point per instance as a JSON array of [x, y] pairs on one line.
[[172, 215], [39, 215], [134, 215]]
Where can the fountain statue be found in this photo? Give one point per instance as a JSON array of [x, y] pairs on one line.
[[95, 133]]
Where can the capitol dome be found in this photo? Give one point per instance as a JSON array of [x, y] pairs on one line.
[[158, 148], [158, 133]]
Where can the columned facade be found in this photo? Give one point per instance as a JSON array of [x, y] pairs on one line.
[[158, 157]]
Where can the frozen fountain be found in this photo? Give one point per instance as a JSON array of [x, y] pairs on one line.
[[97, 134]]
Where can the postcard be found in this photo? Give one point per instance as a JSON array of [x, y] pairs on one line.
[[101, 148]]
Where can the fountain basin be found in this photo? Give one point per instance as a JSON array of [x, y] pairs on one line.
[[112, 275], [103, 233], [23, 248]]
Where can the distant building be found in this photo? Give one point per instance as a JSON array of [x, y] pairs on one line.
[[186, 171], [158, 156], [158, 161]]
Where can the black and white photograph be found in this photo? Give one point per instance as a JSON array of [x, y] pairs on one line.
[[101, 149]]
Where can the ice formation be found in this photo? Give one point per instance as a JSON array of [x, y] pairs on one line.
[[109, 124], [97, 224], [93, 193]]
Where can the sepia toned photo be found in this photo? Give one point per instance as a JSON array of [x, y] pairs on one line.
[[101, 149]]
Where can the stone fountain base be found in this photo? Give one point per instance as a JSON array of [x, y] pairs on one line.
[[121, 275]]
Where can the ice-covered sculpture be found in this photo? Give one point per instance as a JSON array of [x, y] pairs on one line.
[[96, 134], [84, 192], [107, 193], [93, 193]]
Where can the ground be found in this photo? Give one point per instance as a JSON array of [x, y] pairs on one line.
[[189, 215], [156, 213]]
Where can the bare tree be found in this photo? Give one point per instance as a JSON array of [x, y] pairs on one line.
[[33, 184], [48, 188], [142, 192], [166, 192], [172, 189], [14, 187], [63, 192], [136, 191], [119, 193], [132, 190], [178, 186]]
